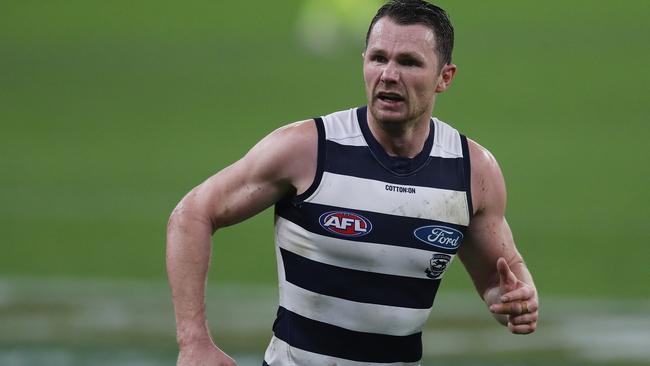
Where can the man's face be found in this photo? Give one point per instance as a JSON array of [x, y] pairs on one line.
[[401, 72]]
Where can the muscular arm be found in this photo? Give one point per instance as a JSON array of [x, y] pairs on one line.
[[489, 253], [283, 161]]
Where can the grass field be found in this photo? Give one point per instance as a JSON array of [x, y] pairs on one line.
[[110, 112], [83, 322]]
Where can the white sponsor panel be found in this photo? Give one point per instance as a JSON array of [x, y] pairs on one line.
[[357, 194]]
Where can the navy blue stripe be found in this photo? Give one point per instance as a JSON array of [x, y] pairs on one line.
[[358, 161], [467, 172], [397, 165], [264, 363], [330, 340], [386, 229], [360, 286], [320, 161]]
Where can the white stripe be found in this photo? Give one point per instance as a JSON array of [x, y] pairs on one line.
[[360, 194], [279, 353], [282, 279], [350, 141], [342, 127], [440, 151], [446, 141], [278, 256], [362, 256], [352, 315]]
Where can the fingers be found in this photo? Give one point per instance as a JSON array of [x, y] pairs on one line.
[[507, 279], [522, 329], [521, 294], [523, 319], [514, 307], [518, 301], [523, 324]]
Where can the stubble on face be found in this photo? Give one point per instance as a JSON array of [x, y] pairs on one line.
[[400, 73]]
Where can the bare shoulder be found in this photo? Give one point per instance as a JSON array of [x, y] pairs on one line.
[[488, 185], [299, 135], [288, 153]]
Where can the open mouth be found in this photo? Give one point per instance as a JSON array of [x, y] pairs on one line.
[[390, 97]]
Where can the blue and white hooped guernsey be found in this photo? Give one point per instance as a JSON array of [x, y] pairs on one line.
[[362, 252]]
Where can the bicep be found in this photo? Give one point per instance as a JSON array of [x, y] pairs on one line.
[[236, 193], [264, 175]]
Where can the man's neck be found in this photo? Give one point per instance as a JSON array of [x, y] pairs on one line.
[[400, 139]]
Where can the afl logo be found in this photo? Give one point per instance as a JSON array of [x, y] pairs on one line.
[[345, 223], [439, 236]]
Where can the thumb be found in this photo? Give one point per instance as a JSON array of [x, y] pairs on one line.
[[507, 279]]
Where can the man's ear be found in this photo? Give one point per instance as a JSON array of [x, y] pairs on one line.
[[446, 77]]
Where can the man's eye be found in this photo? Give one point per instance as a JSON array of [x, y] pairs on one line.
[[410, 62], [380, 59]]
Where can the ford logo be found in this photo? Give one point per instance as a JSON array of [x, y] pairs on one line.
[[345, 223], [439, 236]]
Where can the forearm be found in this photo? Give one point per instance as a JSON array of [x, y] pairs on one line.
[[519, 268], [189, 247]]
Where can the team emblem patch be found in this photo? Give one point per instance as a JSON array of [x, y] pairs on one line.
[[437, 265], [345, 223], [439, 236]]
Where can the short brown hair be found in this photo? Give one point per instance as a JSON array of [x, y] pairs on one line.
[[406, 12]]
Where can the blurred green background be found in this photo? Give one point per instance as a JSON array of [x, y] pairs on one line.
[[111, 111]]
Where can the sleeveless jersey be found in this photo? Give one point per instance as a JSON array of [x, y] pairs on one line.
[[362, 252]]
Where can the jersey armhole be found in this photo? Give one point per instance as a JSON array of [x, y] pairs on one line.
[[320, 163], [467, 169]]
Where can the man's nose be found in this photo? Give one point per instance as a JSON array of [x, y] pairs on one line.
[[390, 74]]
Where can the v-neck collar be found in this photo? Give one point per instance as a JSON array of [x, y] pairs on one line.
[[397, 165]]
